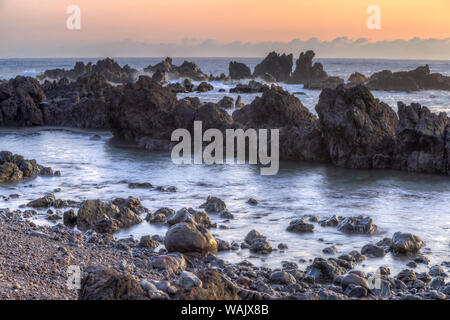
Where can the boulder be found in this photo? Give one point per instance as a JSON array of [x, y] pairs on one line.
[[99, 283], [373, 251], [300, 226], [190, 238], [213, 205], [214, 287], [406, 243], [357, 225], [204, 87], [359, 130], [276, 65], [105, 215], [323, 271], [10, 172], [226, 103], [238, 71], [282, 277]]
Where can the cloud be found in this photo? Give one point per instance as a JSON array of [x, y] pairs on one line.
[[342, 47]]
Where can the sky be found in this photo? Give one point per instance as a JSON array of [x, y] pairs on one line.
[[409, 28]]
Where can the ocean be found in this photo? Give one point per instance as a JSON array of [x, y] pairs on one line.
[[397, 201]]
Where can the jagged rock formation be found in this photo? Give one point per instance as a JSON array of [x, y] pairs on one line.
[[423, 140], [108, 68], [78, 104], [299, 135], [359, 129], [239, 71], [275, 65], [305, 71], [186, 70]]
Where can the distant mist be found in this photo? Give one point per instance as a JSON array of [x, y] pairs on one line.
[[343, 47]]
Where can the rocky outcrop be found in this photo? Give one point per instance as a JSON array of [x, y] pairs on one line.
[[142, 109], [14, 168], [359, 130], [108, 68], [79, 104], [20, 100], [186, 70], [275, 65], [239, 71], [306, 72], [418, 79], [300, 138], [423, 140]]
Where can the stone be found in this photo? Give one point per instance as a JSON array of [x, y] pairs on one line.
[[300, 226], [226, 103], [406, 243], [189, 280], [282, 277], [190, 238], [357, 225], [99, 283], [238, 71], [213, 205], [373, 251]]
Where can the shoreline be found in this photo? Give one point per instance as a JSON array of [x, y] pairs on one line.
[[35, 261]]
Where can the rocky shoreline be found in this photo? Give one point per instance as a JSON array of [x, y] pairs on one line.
[[352, 129], [183, 264]]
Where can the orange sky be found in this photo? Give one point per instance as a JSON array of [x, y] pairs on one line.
[[43, 21]]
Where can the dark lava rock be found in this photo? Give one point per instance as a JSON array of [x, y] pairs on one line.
[[186, 70], [306, 72], [99, 283], [239, 71], [276, 65], [190, 238], [423, 140], [359, 130], [357, 225], [107, 68]]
